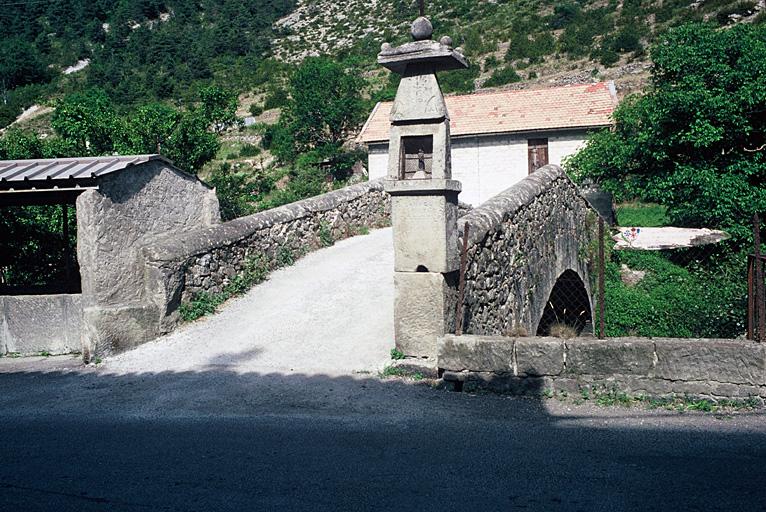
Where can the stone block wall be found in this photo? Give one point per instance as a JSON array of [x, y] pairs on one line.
[[650, 366], [206, 260], [33, 324], [519, 243]]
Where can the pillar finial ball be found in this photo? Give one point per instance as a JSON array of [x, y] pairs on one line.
[[446, 40], [422, 29]]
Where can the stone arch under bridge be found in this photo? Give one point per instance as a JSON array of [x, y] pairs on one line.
[[528, 247]]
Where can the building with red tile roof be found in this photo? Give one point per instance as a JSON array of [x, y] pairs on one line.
[[498, 137]]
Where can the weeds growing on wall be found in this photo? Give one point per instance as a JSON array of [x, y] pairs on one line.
[[325, 234], [255, 271]]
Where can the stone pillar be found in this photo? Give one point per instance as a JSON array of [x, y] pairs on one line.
[[423, 196]]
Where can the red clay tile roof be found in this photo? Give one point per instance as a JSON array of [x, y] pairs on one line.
[[571, 106]]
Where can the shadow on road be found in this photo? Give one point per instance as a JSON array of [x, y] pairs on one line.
[[216, 439]]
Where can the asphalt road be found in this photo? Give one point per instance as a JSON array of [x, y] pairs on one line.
[[85, 440], [275, 404]]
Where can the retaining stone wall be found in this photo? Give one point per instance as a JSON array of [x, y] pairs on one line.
[[206, 260], [651, 366], [31, 324], [519, 243]]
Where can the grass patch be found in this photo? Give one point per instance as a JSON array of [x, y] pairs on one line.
[[613, 397], [396, 354], [645, 215], [325, 234], [392, 371]]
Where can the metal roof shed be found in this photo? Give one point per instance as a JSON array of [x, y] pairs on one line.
[[57, 180], [123, 203]]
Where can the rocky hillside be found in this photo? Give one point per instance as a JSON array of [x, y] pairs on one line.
[[518, 43]]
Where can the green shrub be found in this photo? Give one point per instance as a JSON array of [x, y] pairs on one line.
[[234, 190], [491, 62], [202, 304], [676, 301], [608, 57], [256, 110], [627, 39], [564, 14], [502, 76], [276, 97], [461, 80], [249, 150]]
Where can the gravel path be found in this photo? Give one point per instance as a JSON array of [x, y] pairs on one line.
[[330, 313]]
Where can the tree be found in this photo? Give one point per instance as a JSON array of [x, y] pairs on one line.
[[192, 145], [695, 141], [88, 121], [326, 104], [149, 129], [218, 107], [20, 64]]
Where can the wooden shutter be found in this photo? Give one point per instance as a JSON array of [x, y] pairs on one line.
[[537, 153]]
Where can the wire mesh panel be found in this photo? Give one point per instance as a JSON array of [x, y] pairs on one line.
[[697, 292], [567, 313], [692, 283]]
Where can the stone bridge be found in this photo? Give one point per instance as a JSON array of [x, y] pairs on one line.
[[530, 257]]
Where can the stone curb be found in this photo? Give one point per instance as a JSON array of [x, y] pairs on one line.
[[720, 368]]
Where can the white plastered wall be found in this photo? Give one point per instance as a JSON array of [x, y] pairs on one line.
[[488, 164]]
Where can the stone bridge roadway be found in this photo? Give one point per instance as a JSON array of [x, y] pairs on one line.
[[330, 313], [263, 407]]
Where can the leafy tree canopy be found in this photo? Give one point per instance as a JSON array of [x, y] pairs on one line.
[[326, 104], [695, 142], [86, 124]]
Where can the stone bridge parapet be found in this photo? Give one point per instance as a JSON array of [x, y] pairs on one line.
[[207, 259], [519, 243]]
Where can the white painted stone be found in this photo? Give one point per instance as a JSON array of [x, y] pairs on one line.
[[486, 165]]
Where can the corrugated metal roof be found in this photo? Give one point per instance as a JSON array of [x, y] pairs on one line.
[[72, 170], [567, 107]]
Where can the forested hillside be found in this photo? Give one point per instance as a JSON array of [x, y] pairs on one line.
[[139, 50]]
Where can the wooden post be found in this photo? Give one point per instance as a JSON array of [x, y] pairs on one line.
[[601, 272], [461, 284], [759, 285], [67, 254]]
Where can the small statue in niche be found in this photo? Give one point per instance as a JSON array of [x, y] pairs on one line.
[[421, 172]]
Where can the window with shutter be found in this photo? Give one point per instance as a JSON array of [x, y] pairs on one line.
[[537, 154]]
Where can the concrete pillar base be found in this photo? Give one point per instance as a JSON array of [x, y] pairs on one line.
[[423, 311]]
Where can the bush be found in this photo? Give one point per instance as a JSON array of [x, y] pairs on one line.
[[256, 110], [234, 191], [276, 97], [249, 150], [626, 40], [673, 300], [491, 62], [503, 76], [564, 14], [459, 81]]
